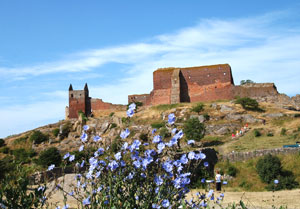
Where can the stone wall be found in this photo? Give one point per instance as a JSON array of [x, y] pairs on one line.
[[255, 90], [98, 104], [241, 156], [77, 102], [144, 98]]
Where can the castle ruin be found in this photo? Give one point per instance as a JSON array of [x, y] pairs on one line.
[[176, 85]]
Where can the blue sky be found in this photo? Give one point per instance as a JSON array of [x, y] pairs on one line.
[[115, 46]]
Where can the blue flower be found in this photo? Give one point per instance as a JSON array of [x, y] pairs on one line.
[[165, 203], [154, 130], [191, 142], [276, 181], [97, 138], [172, 142], [118, 156], [202, 156], [86, 127], [66, 206], [132, 106], [158, 180], [174, 130], [130, 112], [125, 146], [137, 164], [171, 118], [155, 206], [66, 156], [157, 139], [81, 148], [191, 155], [160, 147], [100, 151], [225, 182], [184, 159], [86, 201], [113, 165], [41, 188], [51, 167], [203, 180], [206, 164], [84, 137], [125, 134], [72, 157], [82, 163], [167, 166]]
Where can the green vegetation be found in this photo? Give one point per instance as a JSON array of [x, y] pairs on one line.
[[193, 129], [157, 125], [256, 133], [143, 137], [138, 104], [23, 156], [113, 125], [283, 132], [4, 150], [55, 132], [164, 133], [164, 107], [248, 104], [231, 170], [49, 156], [21, 140], [243, 82], [2, 142], [82, 115], [198, 108], [66, 128], [111, 114], [269, 168], [38, 137]]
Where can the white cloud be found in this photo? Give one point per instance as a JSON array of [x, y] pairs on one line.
[[260, 48]]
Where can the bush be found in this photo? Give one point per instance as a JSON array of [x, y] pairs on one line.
[[158, 125], [113, 125], [55, 132], [49, 156], [206, 116], [144, 137], [243, 82], [164, 132], [193, 129], [268, 168], [198, 108], [248, 103], [231, 170], [82, 115], [22, 155], [111, 114], [2, 142], [256, 133], [20, 140], [66, 128], [6, 165], [283, 132], [4, 150], [270, 134], [38, 137]]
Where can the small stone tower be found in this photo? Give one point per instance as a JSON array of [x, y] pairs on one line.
[[79, 100]]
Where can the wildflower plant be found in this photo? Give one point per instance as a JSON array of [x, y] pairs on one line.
[[137, 175]]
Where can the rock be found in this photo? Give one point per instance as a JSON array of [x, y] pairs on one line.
[[104, 127], [234, 117], [226, 108], [117, 121], [214, 106], [250, 119], [222, 131], [273, 115], [199, 117]]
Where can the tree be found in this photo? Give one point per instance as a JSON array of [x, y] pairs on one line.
[[38, 137], [49, 156], [193, 129], [243, 82], [268, 168], [248, 103]]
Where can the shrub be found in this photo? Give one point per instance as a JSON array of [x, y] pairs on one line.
[[55, 132], [243, 82], [111, 114], [2, 142], [231, 170], [256, 133], [283, 132], [158, 125], [38, 137], [6, 165], [49, 156], [248, 103], [4, 150], [22, 155], [20, 140], [164, 132], [206, 116], [198, 108], [270, 134], [268, 168], [144, 137], [193, 129], [82, 115], [113, 125], [66, 128]]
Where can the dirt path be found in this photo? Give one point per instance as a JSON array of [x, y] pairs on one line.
[[257, 200]]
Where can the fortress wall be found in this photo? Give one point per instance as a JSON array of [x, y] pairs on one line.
[[255, 90], [98, 104], [144, 98]]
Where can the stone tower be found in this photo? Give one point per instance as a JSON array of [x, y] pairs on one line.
[[79, 100]]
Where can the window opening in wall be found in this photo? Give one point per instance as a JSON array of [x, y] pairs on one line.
[[71, 95], [224, 73], [208, 75]]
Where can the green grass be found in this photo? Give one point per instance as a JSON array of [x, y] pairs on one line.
[[164, 107], [282, 120], [249, 142]]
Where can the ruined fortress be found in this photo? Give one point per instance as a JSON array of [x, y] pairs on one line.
[[175, 85]]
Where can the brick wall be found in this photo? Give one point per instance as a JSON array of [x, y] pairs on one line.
[[98, 104], [77, 102], [144, 98], [255, 90]]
